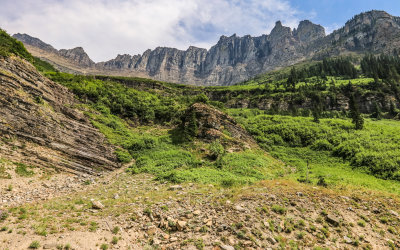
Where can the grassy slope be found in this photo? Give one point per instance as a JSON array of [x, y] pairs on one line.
[[9, 45], [155, 152], [334, 150]]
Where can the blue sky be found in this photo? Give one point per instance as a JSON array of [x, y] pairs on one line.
[[334, 13], [105, 28]]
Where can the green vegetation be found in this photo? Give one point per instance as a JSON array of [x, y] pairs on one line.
[[43, 66], [279, 209], [9, 46], [333, 147], [34, 245], [159, 150], [104, 246], [23, 170], [113, 97]]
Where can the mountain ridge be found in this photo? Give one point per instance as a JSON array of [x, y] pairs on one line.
[[234, 59]]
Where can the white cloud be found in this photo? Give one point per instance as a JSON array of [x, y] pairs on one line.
[[106, 28]]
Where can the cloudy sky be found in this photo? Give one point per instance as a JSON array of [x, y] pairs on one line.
[[105, 28]]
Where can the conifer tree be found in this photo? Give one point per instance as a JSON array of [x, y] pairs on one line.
[[355, 114], [377, 114]]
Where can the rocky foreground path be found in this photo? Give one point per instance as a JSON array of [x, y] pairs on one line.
[[124, 211]]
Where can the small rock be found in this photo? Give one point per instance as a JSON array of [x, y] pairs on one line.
[[332, 219], [248, 243], [116, 196], [175, 187], [97, 205], [49, 246], [181, 225], [197, 212], [227, 247], [345, 198], [156, 242], [239, 208], [376, 211], [173, 239], [271, 240], [394, 213], [222, 227], [272, 197], [347, 240]]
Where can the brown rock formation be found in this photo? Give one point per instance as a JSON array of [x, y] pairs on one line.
[[39, 127]]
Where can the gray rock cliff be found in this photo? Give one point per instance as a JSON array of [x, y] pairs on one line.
[[234, 59]]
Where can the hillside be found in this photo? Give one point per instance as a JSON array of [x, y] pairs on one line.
[[234, 59], [38, 119], [112, 162]]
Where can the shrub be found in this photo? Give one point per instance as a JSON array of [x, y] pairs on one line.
[[321, 181], [22, 170], [34, 245], [322, 145], [104, 246], [279, 209], [114, 240], [123, 156], [216, 150], [202, 98]]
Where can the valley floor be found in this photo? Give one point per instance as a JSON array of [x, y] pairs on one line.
[[140, 213]]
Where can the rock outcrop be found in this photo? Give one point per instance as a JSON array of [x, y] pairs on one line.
[[234, 59], [213, 124], [38, 125], [78, 56]]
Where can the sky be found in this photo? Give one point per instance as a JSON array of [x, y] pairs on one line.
[[105, 28]]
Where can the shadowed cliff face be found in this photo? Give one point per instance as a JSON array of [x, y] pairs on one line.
[[234, 59], [39, 127]]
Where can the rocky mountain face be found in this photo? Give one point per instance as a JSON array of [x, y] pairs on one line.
[[372, 32], [70, 60], [77, 55], [39, 127], [234, 59]]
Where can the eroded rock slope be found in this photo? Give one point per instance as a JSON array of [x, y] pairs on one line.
[[39, 126]]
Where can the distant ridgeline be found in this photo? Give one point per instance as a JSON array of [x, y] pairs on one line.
[[236, 59]]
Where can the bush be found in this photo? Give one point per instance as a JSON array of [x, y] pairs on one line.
[[322, 145], [34, 245], [228, 182], [202, 98], [216, 150], [279, 209], [123, 156], [22, 170]]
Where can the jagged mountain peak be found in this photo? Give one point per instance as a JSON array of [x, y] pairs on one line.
[[280, 30], [308, 31], [33, 41], [77, 55]]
